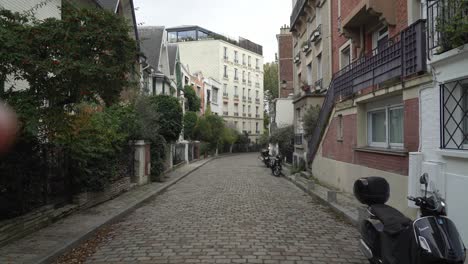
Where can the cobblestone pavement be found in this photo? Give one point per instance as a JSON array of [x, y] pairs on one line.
[[232, 210]]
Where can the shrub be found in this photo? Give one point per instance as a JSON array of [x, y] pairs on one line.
[[193, 102], [310, 120], [170, 116], [190, 123], [285, 138]]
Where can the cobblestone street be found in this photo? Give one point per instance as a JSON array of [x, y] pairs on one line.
[[231, 210]]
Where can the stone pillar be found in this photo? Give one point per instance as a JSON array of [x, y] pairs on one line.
[[142, 162], [186, 151]]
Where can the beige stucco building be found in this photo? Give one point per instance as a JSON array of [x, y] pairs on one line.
[[237, 65]]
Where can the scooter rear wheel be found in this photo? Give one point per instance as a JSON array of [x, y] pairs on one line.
[[276, 171]]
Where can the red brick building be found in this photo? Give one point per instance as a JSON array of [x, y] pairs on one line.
[[370, 118], [285, 62]]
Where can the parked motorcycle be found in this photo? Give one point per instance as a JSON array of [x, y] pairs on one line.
[[389, 237], [276, 165], [265, 157]]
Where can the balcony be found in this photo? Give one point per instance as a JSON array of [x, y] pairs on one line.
[[249, 115], [257, 132], [225, 95], [250, 65], [225, 113], [257, 100], [257, 68], [226, 77], [244, 81], [257, 84], [249, 83], [400, 57], [249, 99], [236, 61], [236, 97], [244, 114], [257, 115], [226, 58], [298, 139], [368, 12], [316, 35], [236, 79], [236, 114], [297, 58], [443, 20], [244, 98]]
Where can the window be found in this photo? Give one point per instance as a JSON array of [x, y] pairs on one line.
[[208, 96], [248, 76], [256, 110], [236, 90], [339, 133], [243, 125], [236, 59], [236, 124], [243, 59], [186, 35], [249, 61], [224, 88], [243, 92], [380, 38], [225, 71], [256, 127], [385, 127], [248, 94], [198, 90], [454, 115], [215, 95], [172, 37], [257, 63], [243, 108], [2, 85], [202, 35], [256, 94], [309, 74], [249, 109], [345, 58], [319, 67], [235, 74], [225, 53], [243, 76]]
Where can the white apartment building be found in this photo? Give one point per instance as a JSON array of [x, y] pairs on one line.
[[237, 65]]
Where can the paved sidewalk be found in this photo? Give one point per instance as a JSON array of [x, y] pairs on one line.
[[50, 242]]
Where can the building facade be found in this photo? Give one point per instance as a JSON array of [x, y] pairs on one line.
[[285, 62], [237, 65], [311, 31], [443, 106]]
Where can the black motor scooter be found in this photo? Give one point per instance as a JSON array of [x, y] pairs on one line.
[[389, 237], [276, 165], [265, 157]]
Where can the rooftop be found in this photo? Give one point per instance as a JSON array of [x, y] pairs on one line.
[[195, 33]]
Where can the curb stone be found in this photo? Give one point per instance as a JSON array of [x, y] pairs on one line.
[[342, 211]]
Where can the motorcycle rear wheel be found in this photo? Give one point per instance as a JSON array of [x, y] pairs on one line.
[[276, 171]]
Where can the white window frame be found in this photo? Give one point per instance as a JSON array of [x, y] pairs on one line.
[[349, 45], [225, 71], [387, 143], [376, 36]]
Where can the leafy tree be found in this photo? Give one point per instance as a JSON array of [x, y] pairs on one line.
[[310, 120], [203, 130], [193, 102], [270, 79], [266, 120], [170, 116], [452, 23], [190, 123], [284, 137], [229, 137]]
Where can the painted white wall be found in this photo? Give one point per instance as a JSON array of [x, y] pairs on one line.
[[284, 112], [216, 104], [453, 176]]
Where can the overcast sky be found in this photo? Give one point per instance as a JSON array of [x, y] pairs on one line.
[[256, 20]]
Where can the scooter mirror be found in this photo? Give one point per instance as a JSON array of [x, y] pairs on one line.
[[424, 179]]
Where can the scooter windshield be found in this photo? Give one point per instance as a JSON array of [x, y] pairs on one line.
[[439, 238]]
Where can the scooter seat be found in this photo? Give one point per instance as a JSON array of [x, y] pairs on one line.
[[393, 220]]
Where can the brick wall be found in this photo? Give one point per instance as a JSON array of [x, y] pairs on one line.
[[344, 150], [285, 57], [90, 199]]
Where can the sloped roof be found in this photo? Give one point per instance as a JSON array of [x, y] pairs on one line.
[[151, 41], [110, 5], [172, 53]]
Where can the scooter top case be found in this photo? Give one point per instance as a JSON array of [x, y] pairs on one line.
[[438, 240]]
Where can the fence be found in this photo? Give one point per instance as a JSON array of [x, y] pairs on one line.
[[178, 153]]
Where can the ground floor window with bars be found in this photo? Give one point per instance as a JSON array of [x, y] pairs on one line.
[[454, 115]]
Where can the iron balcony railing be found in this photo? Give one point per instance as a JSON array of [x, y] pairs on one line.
[[257, 100], [236, 96], [236, 114], [257, 116], [454, 115], [226, 113], [225, 94], [244, 98], [298, 139], [442, 15], [296, 13], [400, 58]]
